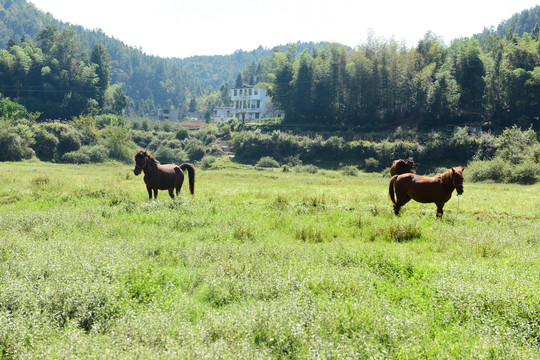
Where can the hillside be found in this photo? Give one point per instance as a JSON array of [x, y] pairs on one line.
[[150, 81], [144, 77]]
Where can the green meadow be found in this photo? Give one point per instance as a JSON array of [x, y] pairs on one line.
[[262, 263]]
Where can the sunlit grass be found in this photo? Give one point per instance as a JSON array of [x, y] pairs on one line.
[[262, 263]]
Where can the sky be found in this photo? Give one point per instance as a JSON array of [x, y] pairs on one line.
[[180, 28]]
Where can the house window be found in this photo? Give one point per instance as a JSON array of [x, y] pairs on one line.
[[256, 115], [249, 91], [235, 92], [256, 92], [258, 104]]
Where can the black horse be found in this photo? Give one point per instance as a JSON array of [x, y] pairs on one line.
[[163, 177]]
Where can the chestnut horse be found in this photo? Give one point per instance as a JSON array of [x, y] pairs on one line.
[[162, 177], [401, 167], [437, 189]]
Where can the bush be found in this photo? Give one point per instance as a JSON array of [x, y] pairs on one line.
[[168, 155], [96, 153], [497, 170], [45, 144], [350, 170], [311, 169], [195, 149], [14, 147], [516, 145], [267, 162], [105, 120], [12, 110], [526, 173], [371, 164], [207, 162], [119, 145], [181, 133], [75, 157]]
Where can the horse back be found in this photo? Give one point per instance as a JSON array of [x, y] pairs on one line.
[[421, 188], [167, 176]]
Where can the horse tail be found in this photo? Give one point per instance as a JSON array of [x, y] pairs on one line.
[[391, 188], [191, 173]]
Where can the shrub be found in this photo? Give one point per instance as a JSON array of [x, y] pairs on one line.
[[207, 162], [14, 147], [195, 149], [75, 157], [96, 153], [516, 145], [267, 162], [371, 164], [526, 173], [292, 160], [105, 120], [181, 133], [119, 144], [496, 170], [311, 169], [168, 155], [45, 144], [350, 170], [12, 110]]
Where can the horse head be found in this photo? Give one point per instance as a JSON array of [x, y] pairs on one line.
[[140, 161], [457, 179]]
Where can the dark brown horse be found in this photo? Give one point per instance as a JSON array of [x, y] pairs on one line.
[[162, 177], [437, 189], [401, 166]]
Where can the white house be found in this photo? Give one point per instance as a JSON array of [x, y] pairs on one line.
[[224, 112], [250, 103]]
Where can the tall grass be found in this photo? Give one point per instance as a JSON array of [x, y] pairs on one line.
[[262, 264]]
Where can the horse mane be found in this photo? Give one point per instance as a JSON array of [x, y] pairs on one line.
[[446, 177], [150, 157]]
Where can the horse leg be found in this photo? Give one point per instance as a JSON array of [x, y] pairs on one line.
[[155, 193], [179, 185], [401, 200], [149, 189], [439, 209], [179, 179], [171, 192]]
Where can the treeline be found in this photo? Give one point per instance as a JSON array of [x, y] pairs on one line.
[[150, 82], [99, 138], [51, 76], [513, 156], [382, 84]]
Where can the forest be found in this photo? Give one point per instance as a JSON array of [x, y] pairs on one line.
[[382, 84], [491, 76]]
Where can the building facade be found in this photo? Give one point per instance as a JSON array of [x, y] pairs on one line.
[[224, 112], [167, 114], [249, 103]]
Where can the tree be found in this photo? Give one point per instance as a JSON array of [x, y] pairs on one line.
[[282, 89], [101, 58], [470, 73], [239, 82]]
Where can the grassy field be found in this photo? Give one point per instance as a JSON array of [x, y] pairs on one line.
[[262, 264]]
